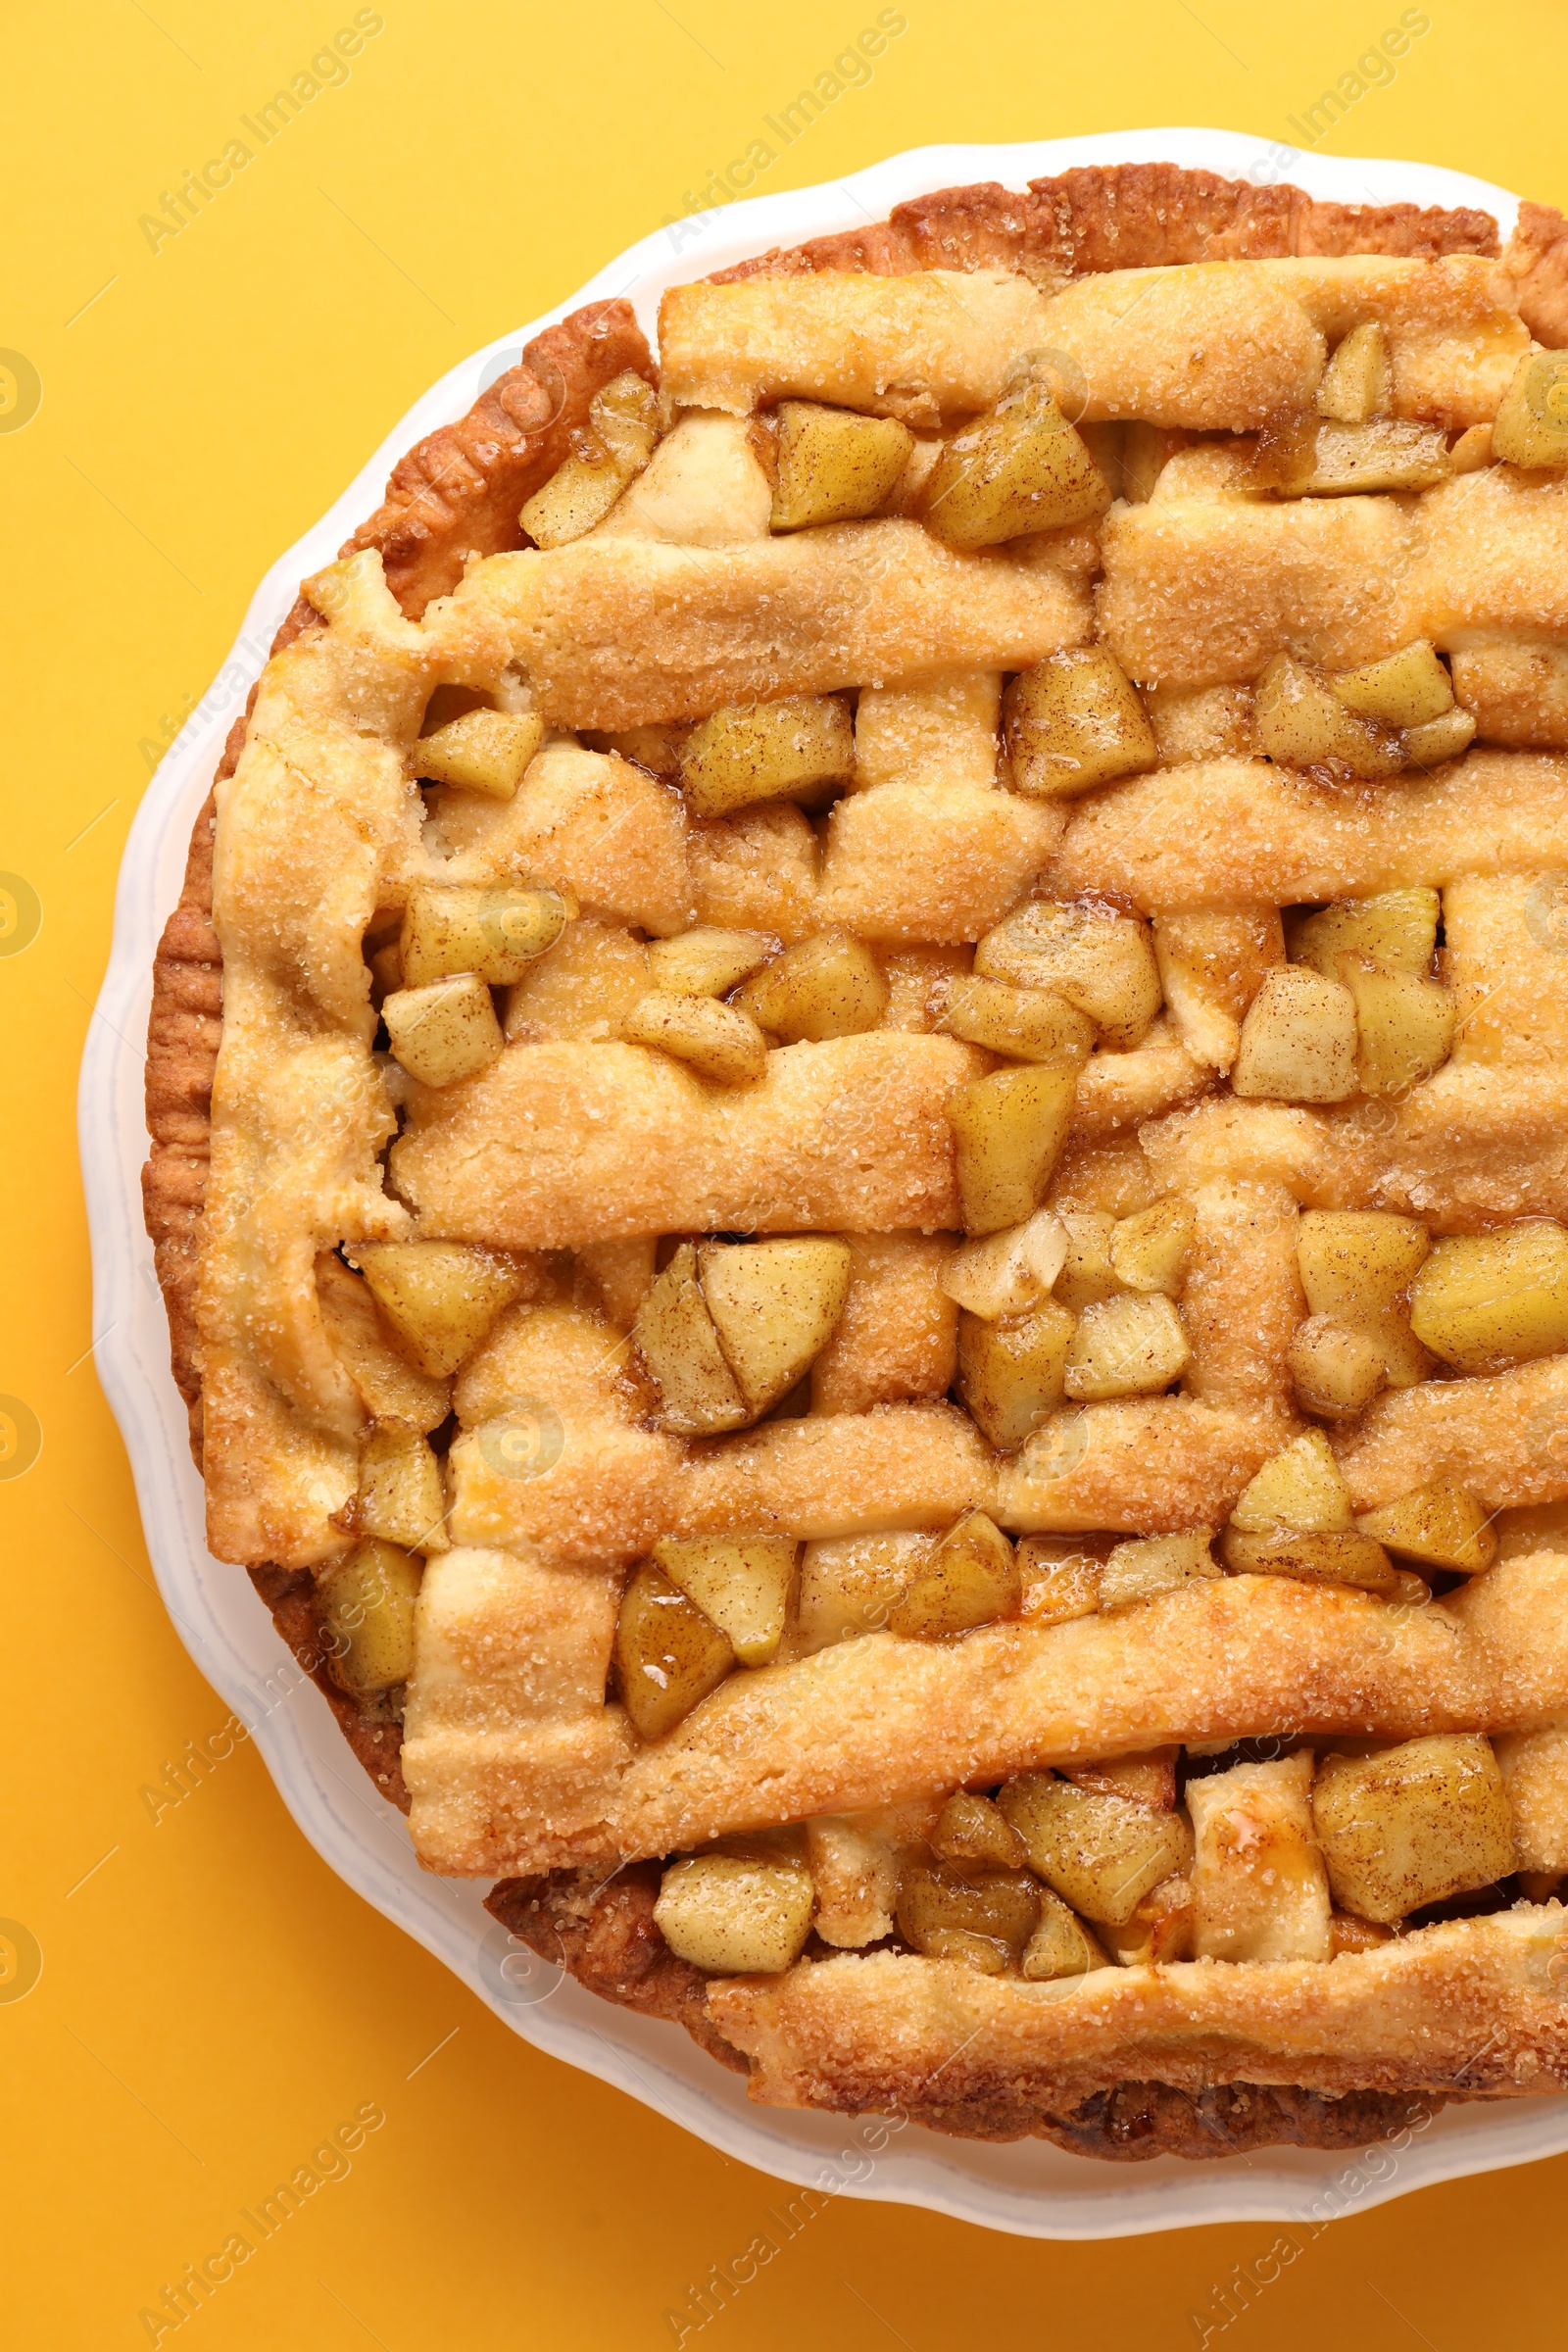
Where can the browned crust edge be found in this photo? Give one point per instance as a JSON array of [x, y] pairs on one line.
[[605, 1934], [1537, 256], [1124, 216], [457, 494]]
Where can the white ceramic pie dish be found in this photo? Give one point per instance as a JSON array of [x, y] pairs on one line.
[[1030, 2187]]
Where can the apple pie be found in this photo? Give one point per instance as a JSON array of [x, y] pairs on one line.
[[860, 1158]]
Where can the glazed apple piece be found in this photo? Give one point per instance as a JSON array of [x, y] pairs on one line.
[[719, 1042], [1148, 1250], [1087, 1273], [982, 1917], [741, 1582], [1440, 739], [1320, 457], [668, 1654], [1060, 1579], [495, 933], [1397, 928], [1019, 467], [1531, 427], [1443, 1526], [1298, 1489], [1008, 1274], [969, 1578], [1061, 1946], [1337, 1369], [1485, 1299], [480, 751], [754, 751], [1403, 689], [1098, 958], [728, 1329], [1130, 1345], [1160, 1929], [1260, 1889], [1358, 1264], [698, 1393], [709, 962], [610, 453], [1298, 1041], [1293, 1518], [970, 1829], [1149, 1565], [390, 1389], [1403, 1025], [1354, 385], [1028, 1024], [1075, 721], [773, 1305], [1013, 1376], [1100, 1852], [1008, 1133], [1302, 723], [400, 1499], [823, 987]]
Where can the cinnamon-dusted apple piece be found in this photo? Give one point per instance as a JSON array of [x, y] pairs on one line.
[[741, 1582], [1101, 1853], [480, 751], [610, 452], [728, 1329], [735, 1916], [1486, 1300], [1409, 1824], [832, 466], [439, 1298]]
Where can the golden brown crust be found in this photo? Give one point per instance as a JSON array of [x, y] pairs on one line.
[[1537, 256], [1468, 2005], [605, 1934], [1124, 216]]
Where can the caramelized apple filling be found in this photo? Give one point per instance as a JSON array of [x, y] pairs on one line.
[[1265, 1852]]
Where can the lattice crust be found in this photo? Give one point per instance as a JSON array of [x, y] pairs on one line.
[[516, 1765], [680, 602], [617, 634], [1476, 2006], [1201, 590], [1206, 349]]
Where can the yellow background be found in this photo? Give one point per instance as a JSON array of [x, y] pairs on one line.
[[212, 2000]]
